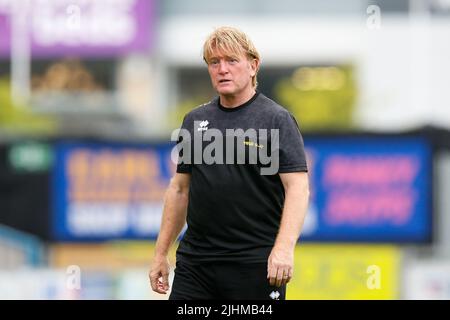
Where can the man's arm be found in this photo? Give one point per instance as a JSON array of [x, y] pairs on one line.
[[281, 260], [173, 220]]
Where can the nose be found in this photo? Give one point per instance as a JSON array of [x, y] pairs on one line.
[[223, 67]]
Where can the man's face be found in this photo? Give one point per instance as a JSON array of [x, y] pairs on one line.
[[230, 74]]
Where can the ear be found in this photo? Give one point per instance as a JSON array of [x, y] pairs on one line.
[[254, 65]]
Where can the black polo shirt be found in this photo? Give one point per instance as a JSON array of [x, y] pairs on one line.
[[234, 210]]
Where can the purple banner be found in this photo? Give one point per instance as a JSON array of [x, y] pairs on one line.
[[5, 34], [82, 28]]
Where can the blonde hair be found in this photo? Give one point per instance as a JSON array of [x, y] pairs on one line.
[[230, 41]]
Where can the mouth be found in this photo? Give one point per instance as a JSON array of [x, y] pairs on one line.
[[224, 81]]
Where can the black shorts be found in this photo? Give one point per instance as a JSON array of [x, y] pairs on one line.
[[230, 281]]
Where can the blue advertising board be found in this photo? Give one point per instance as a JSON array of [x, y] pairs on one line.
[[363, 189], [369, 189], [107, 191]]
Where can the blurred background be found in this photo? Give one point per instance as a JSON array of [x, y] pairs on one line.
[[90, 92]]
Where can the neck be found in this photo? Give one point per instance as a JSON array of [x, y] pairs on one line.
[[235, 100]]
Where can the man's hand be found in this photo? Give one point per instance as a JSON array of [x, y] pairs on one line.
[[280, 266], [159, 274], [172, 222]]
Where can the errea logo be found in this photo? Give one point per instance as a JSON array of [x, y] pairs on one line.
[[275, 295], [203, 126]]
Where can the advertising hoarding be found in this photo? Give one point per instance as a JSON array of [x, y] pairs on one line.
[[81, 28], [374, 189], [333, 271], [369, 189]]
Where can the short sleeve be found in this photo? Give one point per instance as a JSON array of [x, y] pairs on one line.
[[291, 146]]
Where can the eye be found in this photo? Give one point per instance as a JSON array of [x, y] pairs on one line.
[[213, 62]]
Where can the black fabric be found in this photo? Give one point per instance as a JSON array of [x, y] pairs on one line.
[[234, 211], [229, 281]]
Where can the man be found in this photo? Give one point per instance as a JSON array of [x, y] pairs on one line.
[[243, 222]]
